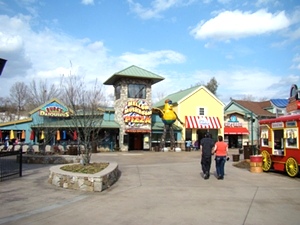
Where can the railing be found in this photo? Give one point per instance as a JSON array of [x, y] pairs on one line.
[[10, 164]]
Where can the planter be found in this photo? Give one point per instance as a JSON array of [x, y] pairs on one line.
[[256, 163]]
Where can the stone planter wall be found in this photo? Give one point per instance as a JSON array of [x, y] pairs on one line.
[[85, 182], [50, 159]]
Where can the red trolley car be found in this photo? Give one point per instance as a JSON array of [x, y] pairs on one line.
[[279, 138]]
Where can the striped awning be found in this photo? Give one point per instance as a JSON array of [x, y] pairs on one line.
[[202, 122]]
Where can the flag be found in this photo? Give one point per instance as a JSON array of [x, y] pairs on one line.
[[11, 135], [23, 134], [42, 135], [57, 135], [75, 135], [32, 135]]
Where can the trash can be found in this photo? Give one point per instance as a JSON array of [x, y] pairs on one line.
[[235, 158], [247, 151]]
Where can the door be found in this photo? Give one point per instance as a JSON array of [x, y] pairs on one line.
[[136, 141]]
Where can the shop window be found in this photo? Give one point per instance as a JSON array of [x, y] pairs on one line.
[[264, 137], [137, 91], [291, 136]]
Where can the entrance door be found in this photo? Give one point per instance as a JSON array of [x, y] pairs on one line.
[[135, 141]]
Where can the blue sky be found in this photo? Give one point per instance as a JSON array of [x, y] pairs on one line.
[[251, 47]]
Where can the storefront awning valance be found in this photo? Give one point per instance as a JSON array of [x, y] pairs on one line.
[[235, 130], [202, 122]]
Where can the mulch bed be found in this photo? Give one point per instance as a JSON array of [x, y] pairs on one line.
[[242, 164]]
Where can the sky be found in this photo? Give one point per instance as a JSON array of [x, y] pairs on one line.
[[251, 47]]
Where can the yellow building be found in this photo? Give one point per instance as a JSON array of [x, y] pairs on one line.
[[200, 110]]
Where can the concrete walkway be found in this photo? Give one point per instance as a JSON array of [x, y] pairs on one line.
[[154, 188]]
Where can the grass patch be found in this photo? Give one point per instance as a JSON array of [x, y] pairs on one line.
[[86, 169]]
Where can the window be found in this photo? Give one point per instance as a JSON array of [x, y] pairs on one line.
[[136, 91], [201, 111], [264, 137], [291, 137], [118, 91]]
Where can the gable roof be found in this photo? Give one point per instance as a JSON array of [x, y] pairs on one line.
[[258, 108], [181, 95], [48, 102], [134, 72]]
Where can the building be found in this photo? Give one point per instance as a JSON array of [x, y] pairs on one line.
[[131, 123], [200, 110], [241, 121]]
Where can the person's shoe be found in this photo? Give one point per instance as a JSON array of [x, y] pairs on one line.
[[206, 176], [220, 178]]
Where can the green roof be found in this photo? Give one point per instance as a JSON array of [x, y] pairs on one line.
[[177, 96], [134, 72], [70, 123], [160, 126], [109, 124]]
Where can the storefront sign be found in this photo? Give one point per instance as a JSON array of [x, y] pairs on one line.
[[291, 124], [277, 125], [137, 116], [233, 122], [54, 110]]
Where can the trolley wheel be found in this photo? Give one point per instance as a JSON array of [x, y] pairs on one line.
[[291, 167], [267, 162]]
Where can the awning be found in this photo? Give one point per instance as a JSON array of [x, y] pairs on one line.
[[235, 130], [202, 122]]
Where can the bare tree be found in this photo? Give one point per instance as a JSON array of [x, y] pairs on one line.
[[159, 96], [86, 113], [42, 92], [248, 98], [18, 96]]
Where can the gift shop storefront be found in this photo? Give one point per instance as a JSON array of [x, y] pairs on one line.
[[235, 132]]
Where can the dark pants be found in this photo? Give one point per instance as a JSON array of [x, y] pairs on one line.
[[205, 163], [220, 163]]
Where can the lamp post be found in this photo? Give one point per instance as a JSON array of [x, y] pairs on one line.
[[2, 64], [249, 116]]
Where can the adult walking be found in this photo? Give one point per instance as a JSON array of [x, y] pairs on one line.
[[221, 152], [206, 148]]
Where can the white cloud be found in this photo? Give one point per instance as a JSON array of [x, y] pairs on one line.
[[237, 24], [45, 54], [156, 8], [296, 62], [236, 83], [87, 2], [151, 60]]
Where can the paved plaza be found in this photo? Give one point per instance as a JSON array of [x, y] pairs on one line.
[[154, 188]]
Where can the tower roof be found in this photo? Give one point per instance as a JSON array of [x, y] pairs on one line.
[[134, 72]]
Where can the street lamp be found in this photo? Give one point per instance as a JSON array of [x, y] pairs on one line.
[[2, 64], [249, 117]]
